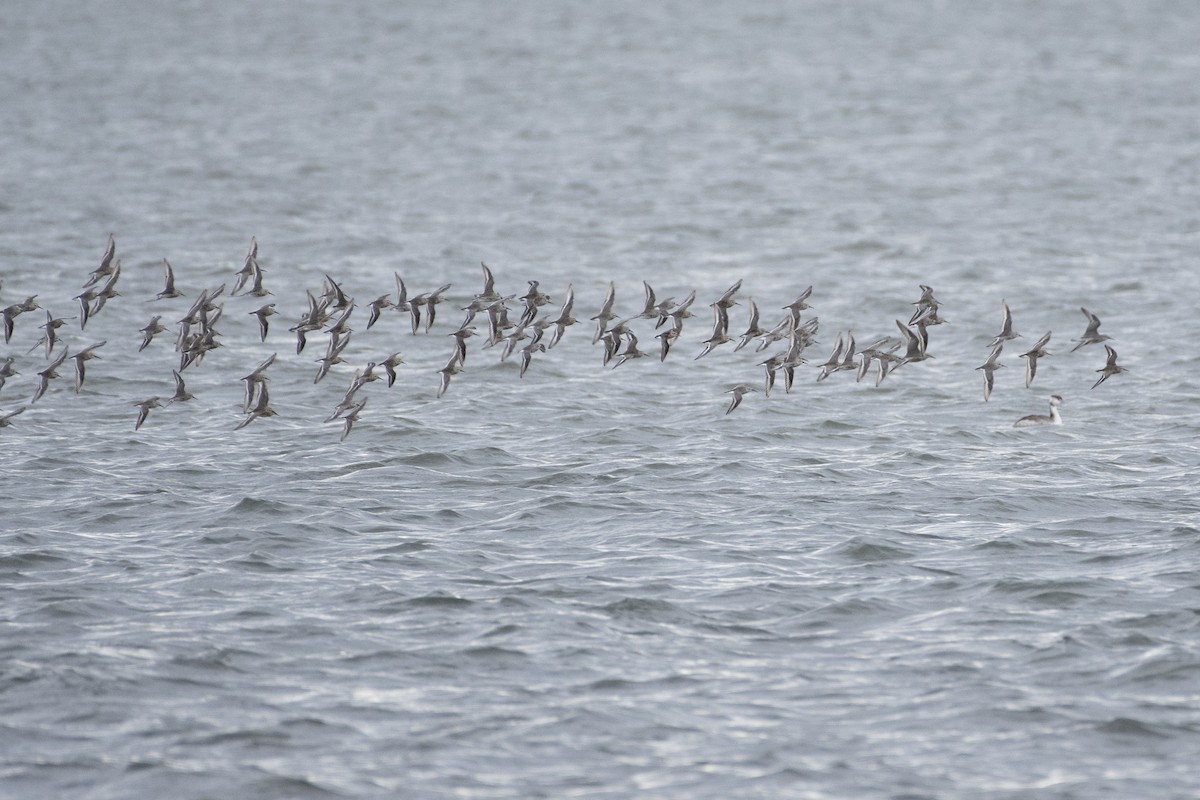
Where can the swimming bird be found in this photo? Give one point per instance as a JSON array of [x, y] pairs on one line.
[[144, 410], [169, 291], [1110, 368], [1054, 417], [989, 367], [1036, 352], [738, 392], [1006, 329], [86, 354], [1092, 334], [262, 314]]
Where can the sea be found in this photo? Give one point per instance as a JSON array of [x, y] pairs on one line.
[[591, 581]]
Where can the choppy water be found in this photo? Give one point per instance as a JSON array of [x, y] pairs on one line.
[[590, 582]]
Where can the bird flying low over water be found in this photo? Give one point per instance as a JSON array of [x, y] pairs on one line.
[[1006, 328], [144, 407], [1032, 356], [1091, 334], [738, 392], [1110, 368], [530, 338], [989, 367]]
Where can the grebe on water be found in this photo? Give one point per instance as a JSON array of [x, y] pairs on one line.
[[1041, 419]]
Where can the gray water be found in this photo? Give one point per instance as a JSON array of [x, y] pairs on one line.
[[591, 582]]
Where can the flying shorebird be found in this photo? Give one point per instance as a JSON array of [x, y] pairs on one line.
[[377, 306], [151, 330], [606, 314], [720, 334], [261, 409], [48, 374], [989, 367], [1110, 368], [738, 392], [1006, 329], [351, 418], [86, 354], [262, 314], [564, 318], [453, 367], [182, 395], [169, 289], [1091, 334], [1036, 352], [144, 410], [753, 330], [6, 419]]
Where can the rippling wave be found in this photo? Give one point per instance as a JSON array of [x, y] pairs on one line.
[[592, 581]]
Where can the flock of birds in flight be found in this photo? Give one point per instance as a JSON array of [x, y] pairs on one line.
[[330, 309]]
